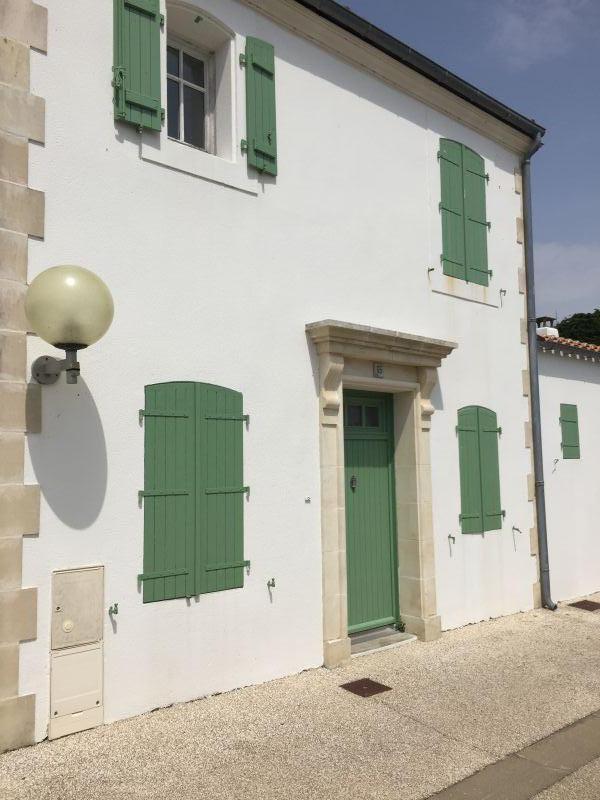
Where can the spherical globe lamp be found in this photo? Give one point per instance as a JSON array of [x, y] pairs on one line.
[[71, 308]]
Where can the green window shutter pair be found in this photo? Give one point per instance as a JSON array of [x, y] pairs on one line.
[[137, 79], [136, 68], [464, 223], [478, 432], [569, 425], [193, 490], [261, 141]]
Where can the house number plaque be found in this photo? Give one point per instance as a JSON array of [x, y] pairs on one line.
[[378, 371]]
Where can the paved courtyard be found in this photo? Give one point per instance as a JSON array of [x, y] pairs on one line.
[[455, 706]]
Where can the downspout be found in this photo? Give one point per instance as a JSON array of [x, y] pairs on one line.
[[536, 423]]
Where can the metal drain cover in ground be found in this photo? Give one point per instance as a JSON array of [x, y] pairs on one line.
[[586, 605], [365, 687]]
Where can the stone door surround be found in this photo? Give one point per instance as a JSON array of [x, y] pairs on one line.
[[347, 355]]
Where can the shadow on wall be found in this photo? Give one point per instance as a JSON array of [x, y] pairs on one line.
[[69, 455]]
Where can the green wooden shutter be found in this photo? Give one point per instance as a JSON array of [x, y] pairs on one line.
[[569, 423], [490, 469], [168, 496], [464, 223], [471, 516], [261, 142], [476, 227], [479, 470], [136, 66], [452, 209], [220, 493]]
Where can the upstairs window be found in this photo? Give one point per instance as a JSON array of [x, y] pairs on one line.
[[462, 206], [189, 98]]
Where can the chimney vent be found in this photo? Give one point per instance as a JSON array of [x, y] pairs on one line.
[[546, 327]]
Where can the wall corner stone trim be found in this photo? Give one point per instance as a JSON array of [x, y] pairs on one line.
[[518, 182], [23, 25]]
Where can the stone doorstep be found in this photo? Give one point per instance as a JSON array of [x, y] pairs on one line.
[[379, 639]]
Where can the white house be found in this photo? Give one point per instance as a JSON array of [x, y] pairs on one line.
[[316, 376], [570, 394]]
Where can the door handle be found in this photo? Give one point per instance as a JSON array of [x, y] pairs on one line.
[[353, 482]]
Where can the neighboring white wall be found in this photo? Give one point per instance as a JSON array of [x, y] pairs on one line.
[[571, 484], [216, 284]]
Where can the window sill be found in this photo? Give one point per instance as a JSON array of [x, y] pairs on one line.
[[193, 161], [446, 284]]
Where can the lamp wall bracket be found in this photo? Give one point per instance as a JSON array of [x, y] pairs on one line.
[[46, 369]]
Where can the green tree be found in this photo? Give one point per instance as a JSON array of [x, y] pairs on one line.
[[584, 327]]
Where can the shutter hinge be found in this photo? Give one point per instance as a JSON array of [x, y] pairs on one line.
[[489, 226], [243, 60], [161, 20], [503, 512], [487, 177], [244, 145], [243, 418], [227, 565], [148, 576], [162, 115], [166, 493]]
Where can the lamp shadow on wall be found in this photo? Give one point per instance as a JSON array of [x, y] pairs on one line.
[[69, 455]]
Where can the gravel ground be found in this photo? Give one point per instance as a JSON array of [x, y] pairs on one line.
[[457, 704], [581, 785]]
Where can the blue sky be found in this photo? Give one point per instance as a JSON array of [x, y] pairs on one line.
[[542, 58]]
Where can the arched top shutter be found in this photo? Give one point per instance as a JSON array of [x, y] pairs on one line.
[[169, 491], [221, 493], [193, 490]]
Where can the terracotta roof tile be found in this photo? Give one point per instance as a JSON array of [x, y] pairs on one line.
[[573, 343]]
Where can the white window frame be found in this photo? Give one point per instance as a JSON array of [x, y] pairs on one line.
[[209, 115]]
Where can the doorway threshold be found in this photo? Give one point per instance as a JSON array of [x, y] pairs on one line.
[[385, 638]]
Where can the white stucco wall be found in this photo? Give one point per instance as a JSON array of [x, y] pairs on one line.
[[215, 284], [571, 484]]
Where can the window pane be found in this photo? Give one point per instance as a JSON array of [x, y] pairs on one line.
[[353, 416], [193, 69], [173, 109], [173, 61], [193, 110], [372, 417]]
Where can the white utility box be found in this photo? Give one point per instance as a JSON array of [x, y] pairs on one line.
[[76, 658]]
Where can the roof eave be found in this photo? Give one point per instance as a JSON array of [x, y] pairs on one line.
[[357, 26]]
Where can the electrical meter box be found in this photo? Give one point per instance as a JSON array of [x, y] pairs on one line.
[[76, 657], [77, 603]]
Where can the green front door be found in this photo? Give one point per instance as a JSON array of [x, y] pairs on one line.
[[370, 510]]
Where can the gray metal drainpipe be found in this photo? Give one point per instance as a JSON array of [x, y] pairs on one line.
[[536, 423]]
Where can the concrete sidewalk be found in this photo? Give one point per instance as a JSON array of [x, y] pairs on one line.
[[456, 705]]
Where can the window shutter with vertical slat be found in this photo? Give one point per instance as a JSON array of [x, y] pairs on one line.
[[136, 69], [569, 424], [479, 470], [169, 487], [452, 209], [490, 469], [476, 226], [261, 142], [220, 493], [471, 516]]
